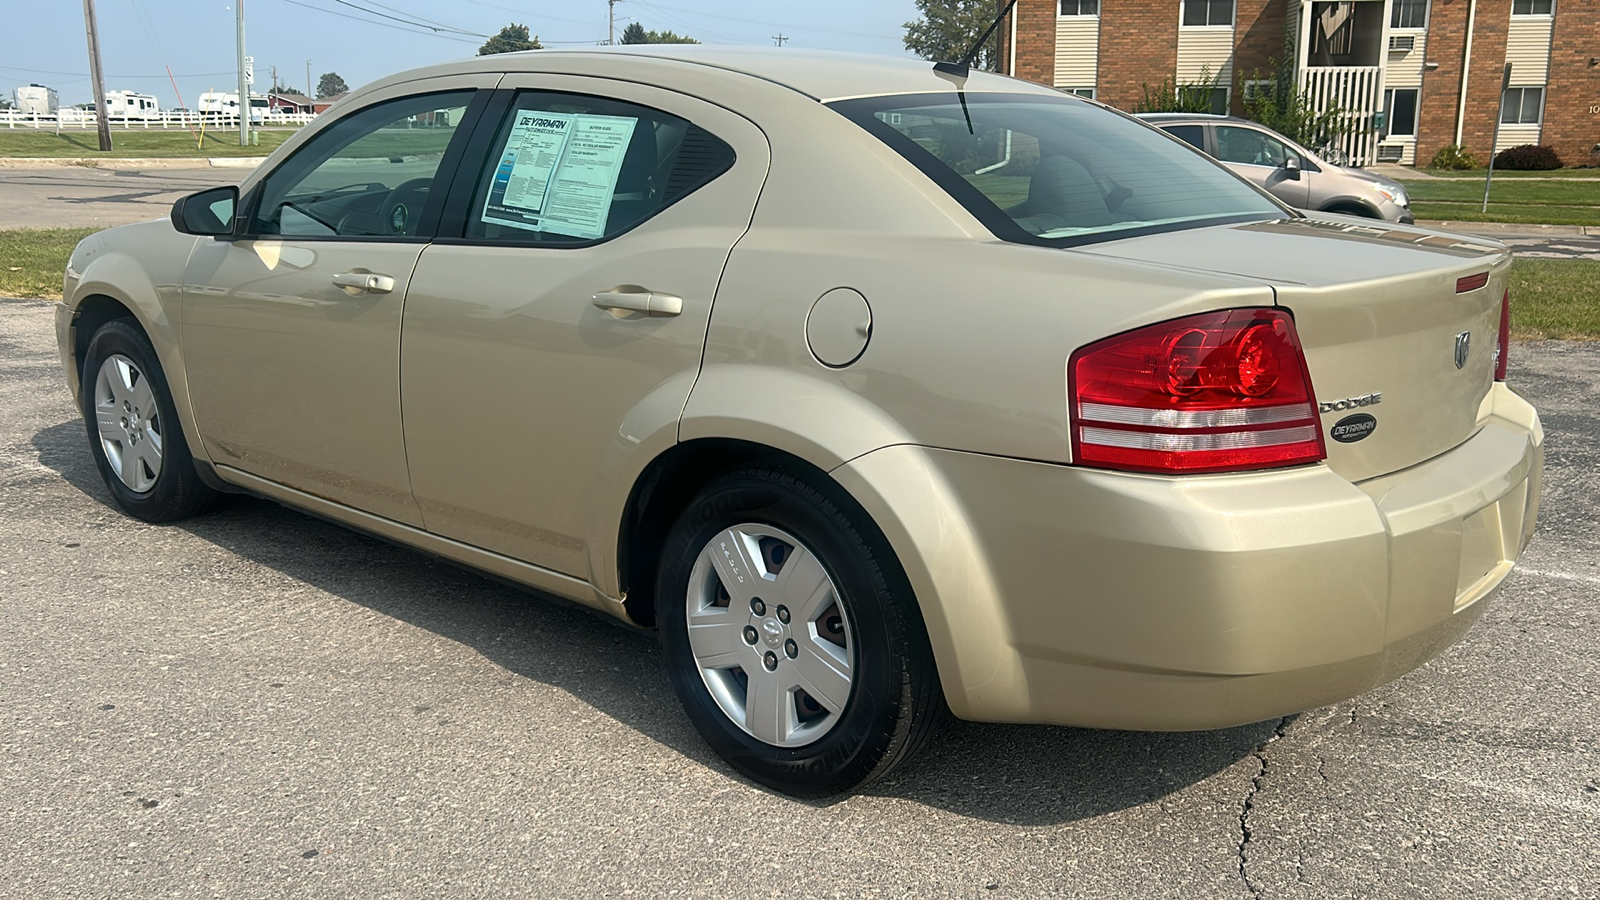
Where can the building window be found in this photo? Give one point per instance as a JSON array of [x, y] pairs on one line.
[[1080, 7], [1215, 99], [1531, 7], [1521, 106], [1210, 12], [1400, 104], [1080, 91], [1410, 14]]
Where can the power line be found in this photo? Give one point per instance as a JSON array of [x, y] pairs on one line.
[[109, 75], [341, 15], [419, 24]]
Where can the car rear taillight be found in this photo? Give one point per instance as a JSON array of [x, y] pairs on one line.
[[1221, 391], [1502, 343]]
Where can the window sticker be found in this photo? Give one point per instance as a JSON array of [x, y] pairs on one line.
[[558, 173]]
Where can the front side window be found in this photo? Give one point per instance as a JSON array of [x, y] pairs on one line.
[[1057, 170], [1080, 7], [1249, 146], [1207, 12], [1402, 106], [1532, 7], [568, 168], [1409, 14], [369, 174], [1522, 106]]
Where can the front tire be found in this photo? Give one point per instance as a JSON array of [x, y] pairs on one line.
[[134, 433], [791, 636]]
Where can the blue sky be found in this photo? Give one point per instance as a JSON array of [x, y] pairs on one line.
[[43, 40]]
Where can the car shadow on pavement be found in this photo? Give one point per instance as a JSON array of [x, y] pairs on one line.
[[1030, 775]]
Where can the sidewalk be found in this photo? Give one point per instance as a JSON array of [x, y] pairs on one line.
[[1512, 229]]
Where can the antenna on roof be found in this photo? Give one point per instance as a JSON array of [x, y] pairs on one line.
[[962, 68]]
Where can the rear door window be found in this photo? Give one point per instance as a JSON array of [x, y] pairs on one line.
[[569, 169], [1194, 135]]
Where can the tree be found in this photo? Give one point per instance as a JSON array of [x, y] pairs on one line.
[[636, 34], [278, 87], [948, 28], [1278, 103], [330, 85], [511, 39]]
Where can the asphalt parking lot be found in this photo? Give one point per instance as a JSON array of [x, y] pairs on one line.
[[258, 704]]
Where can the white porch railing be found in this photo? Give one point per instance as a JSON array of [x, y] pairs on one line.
[[1358, 93]]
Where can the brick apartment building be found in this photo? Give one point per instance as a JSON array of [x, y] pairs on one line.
[[1432, 68]]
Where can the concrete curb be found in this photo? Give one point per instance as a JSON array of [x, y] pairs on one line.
[[91, 162], [1511, 229]]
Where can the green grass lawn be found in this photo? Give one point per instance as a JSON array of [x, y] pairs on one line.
[[32, 260], [1557, 202], [1550, 298], [1507, 173], [135, 144]]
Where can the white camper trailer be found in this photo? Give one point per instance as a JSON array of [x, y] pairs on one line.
[[227, 105], [131, 105], [36, 100]]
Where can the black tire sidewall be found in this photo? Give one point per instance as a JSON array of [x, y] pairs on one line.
[[178, 491], [852, 750]]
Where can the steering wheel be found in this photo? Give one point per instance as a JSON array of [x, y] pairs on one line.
[[403, 207]]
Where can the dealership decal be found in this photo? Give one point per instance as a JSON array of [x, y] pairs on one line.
[[1354, 428]]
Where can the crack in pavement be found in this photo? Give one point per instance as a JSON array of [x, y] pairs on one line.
[[1245, 835]]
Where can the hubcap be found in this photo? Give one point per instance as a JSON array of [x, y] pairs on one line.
[[769, 634], [129, 423]]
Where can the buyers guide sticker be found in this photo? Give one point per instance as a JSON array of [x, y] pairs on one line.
[[558, 172]]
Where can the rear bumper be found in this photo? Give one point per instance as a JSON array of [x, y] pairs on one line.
[[1073, 596]]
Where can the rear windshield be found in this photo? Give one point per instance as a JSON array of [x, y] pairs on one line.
[[1058, 171]]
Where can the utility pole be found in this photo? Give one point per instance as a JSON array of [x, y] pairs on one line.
[[309, 95], [611, 22], [779, 38], [244, 88], [103, 121]]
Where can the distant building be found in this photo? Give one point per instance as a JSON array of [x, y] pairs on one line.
[[1415, 75], [290, 102]]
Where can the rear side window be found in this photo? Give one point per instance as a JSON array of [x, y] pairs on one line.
[[1194, 135], [1057, 170], [567, 169]]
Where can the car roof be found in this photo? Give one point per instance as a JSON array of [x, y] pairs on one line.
[[1188, 117], [820, 74]]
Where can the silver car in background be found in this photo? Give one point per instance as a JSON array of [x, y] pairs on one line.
[[1292, 173]]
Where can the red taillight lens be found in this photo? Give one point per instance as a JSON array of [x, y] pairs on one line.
[[1502, 344], [1216, 392]]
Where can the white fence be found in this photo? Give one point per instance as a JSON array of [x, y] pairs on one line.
[[1357, 92], [79, 119]]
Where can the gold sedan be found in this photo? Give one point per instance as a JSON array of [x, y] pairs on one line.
[[879, 390]]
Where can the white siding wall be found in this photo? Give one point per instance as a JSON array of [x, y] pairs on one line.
[[1528, 50], [1404, 70], [1077, 51], [1516, 135], [1209, 49]]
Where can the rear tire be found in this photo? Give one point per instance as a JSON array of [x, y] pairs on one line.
[[134, 433], [808, 668]]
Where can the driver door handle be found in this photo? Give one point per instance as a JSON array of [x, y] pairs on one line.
[[639, 301], [364, 282]]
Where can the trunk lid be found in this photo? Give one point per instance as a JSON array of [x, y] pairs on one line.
[[1381, 310]]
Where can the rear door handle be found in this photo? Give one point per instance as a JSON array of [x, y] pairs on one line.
[[364, 283], [640, 301]]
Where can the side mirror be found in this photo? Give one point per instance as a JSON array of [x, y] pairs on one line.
[[1291, 168], [208, 213]]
